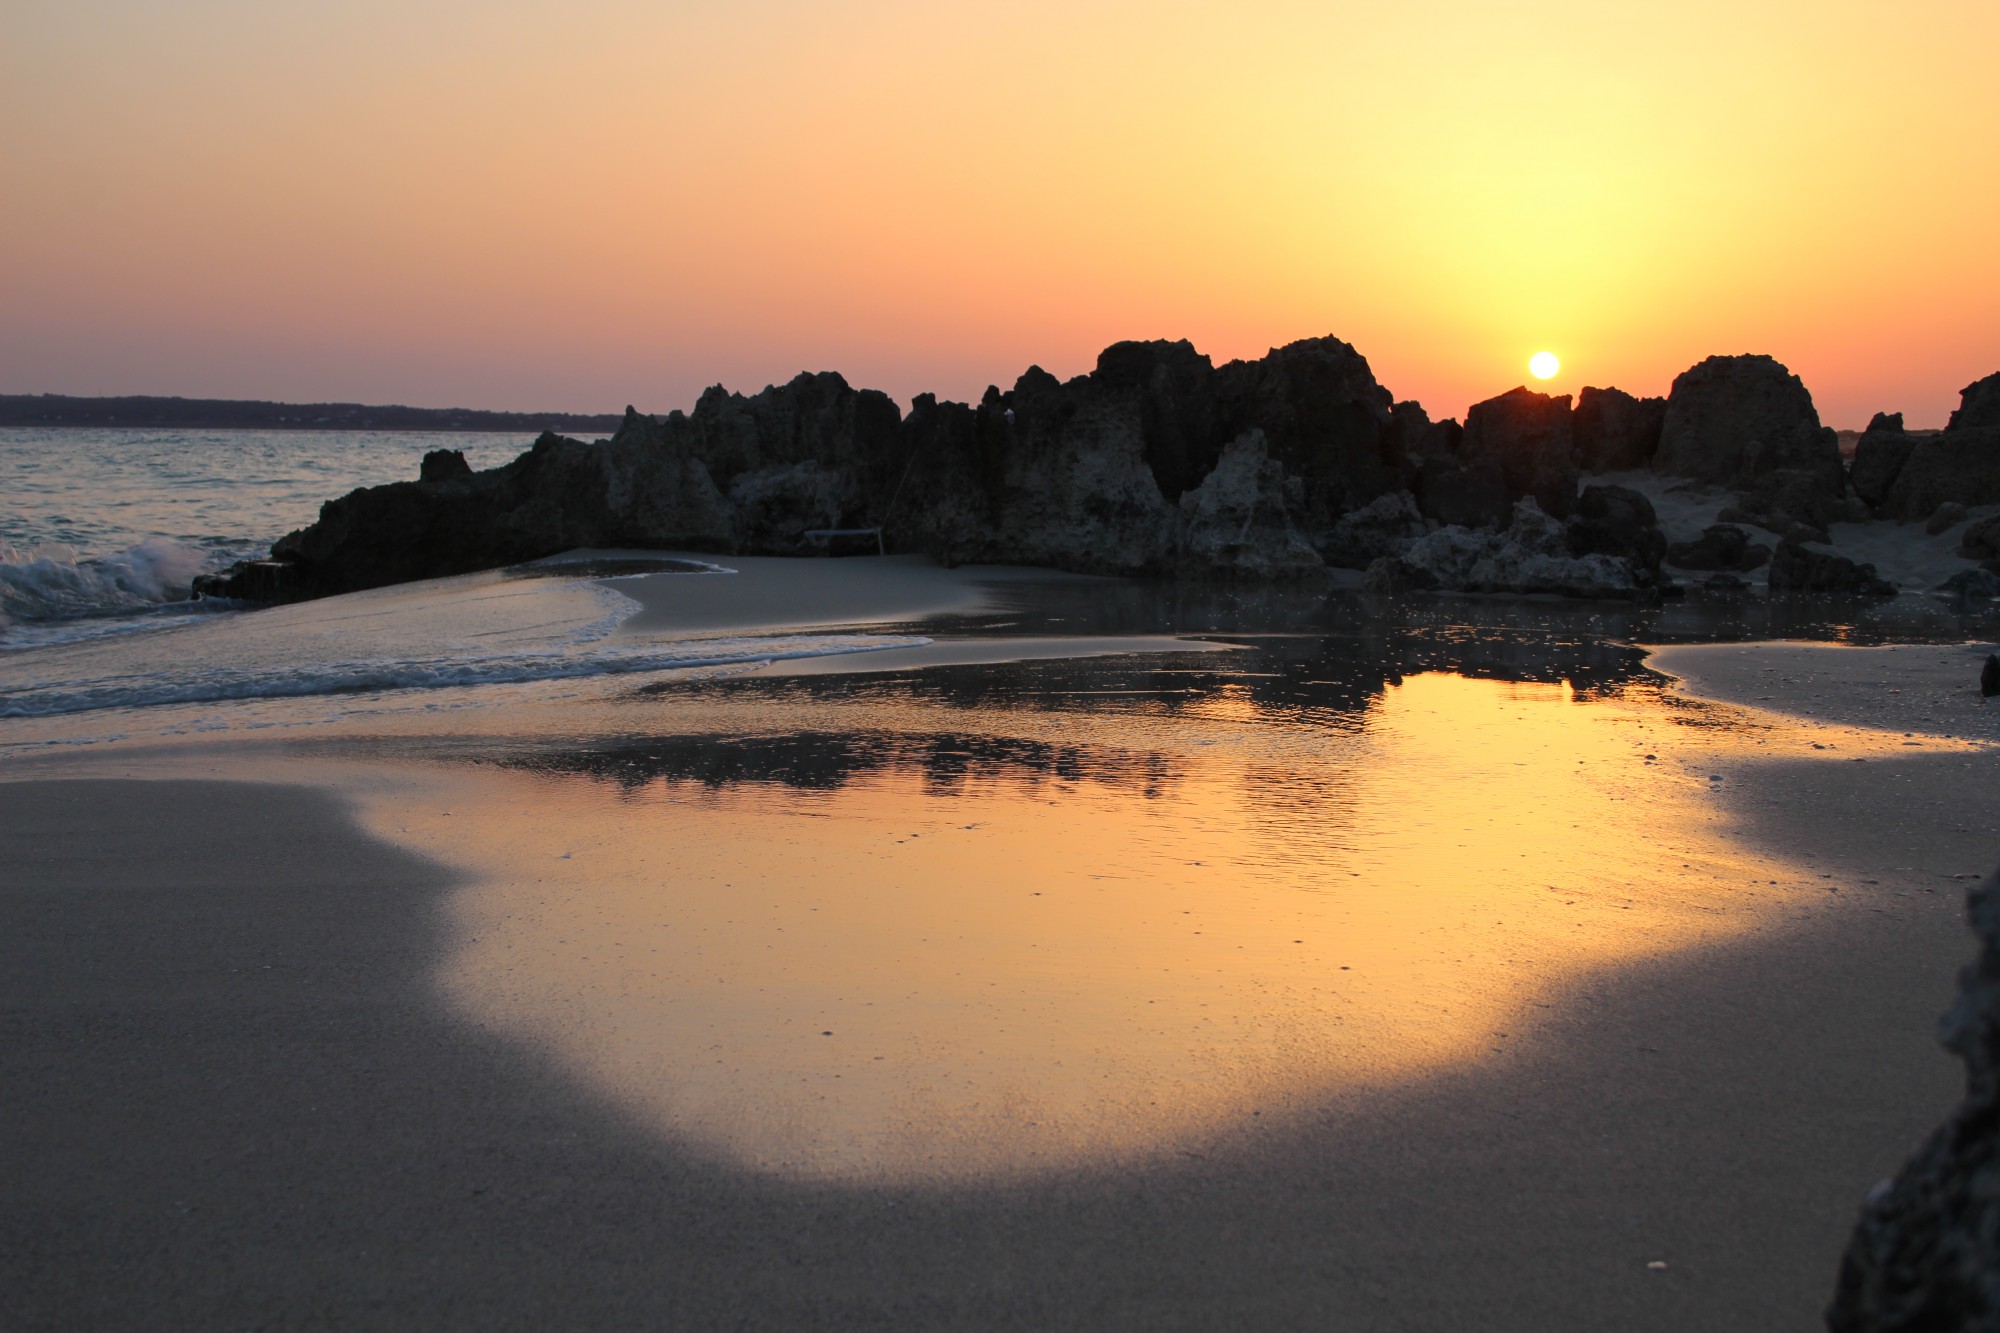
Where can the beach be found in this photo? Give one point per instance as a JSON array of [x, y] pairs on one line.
[[1448, 972]]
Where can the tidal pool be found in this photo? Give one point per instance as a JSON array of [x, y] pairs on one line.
[[898, 933]]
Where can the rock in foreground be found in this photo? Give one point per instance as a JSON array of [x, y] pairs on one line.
[[1925, 1257]]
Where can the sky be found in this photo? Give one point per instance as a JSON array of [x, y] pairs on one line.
[[537, 205]]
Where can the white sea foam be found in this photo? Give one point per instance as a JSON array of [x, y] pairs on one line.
[[214, 684], [50, 583]]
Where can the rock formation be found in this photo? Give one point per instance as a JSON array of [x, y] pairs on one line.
[[1722, 546], [1808, 567], [1616, 432], [1878, 456], [1732, 419], [1527, 436], [1160, 462], [1926, 1253]]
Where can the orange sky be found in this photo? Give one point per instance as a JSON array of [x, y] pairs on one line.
[[518, 203]]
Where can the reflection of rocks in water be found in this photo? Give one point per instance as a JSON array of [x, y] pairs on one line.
[[1325, 681], [826, 761]]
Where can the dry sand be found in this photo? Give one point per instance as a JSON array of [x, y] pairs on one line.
[[234, 1098]]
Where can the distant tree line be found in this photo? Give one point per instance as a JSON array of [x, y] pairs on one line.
[[151, 413]]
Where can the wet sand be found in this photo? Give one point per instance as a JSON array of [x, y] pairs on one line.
[[237, 1097]]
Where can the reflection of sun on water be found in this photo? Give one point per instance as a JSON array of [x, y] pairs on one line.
[[897, 979]]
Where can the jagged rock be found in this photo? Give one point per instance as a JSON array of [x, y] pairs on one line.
[[1614, 431], [1792, 497], [1730, 419], [1470, 494], [444, 465], [1962, 465], [1722, 547], [1925, 1255], [1981, 541], [1324, 418], [1978, 406], [1383, 526], [1724, 582], [631, 490], [1178, 419], [775, 506], [1618, 521], [1073, 488], [1878, 456], [1390, 576], [1944, 518], [1531, 555], [1798, 566], [1971, 585], [1238, 523], [1528, 435]]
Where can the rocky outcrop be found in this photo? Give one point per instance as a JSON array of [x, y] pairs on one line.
[[1925, 1254], [1808, 567], [627, 491], [1527, 436], [1879, 456], [1981, 541], [1978, 405], [1238, 523], [1384, 526], [1618, 521], [1464, 493], [1722, 546], [1961, 464], [1731, 419], [1616, 432], [1532, 555]]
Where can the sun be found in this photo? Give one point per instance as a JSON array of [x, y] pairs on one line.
[[1543, 365]]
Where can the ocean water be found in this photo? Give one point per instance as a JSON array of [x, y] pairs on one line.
[[105, 529]]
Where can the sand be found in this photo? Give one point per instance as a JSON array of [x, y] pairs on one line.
[[236, 1097]]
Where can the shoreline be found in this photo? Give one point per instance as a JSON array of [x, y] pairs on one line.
[[1720, 1109]]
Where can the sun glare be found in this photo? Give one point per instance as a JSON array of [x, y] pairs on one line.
[[1543, 365]]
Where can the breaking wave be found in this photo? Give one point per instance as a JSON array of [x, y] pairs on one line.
[[50, 583], [216, 684]]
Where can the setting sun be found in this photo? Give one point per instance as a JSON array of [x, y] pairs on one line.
[[1543, 365]]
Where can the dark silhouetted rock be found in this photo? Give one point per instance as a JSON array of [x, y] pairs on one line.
[[1944, 518], [1389, 576], [1972, 585], [1978, 406], [1878, 456], [1531, 555], [1383, 526], [1528, 435], [1324, 418], [1618, 521], [1614, 431], [1468, 493], [1175, 388], [1981, 541], [1925, 1255], [1960, 465], [1732, 419], [1722, 547], [1798, 566], [1989, 677], [1786, 498], [1238, 523], [1724, 583], [446, 465]]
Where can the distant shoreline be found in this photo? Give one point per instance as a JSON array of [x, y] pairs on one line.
[[161, 413]]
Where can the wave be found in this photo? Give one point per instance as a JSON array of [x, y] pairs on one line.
[[218, 684], [50, 583]]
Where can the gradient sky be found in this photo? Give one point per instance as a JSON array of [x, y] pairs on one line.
[[531, 204]]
